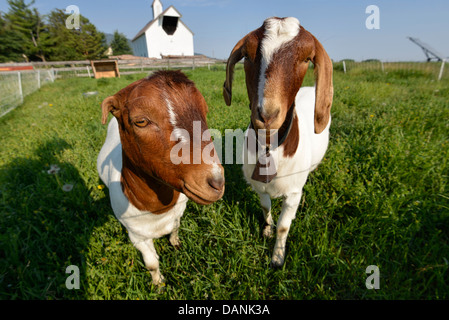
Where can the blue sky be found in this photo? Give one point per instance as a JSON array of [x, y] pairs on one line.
[[338, 24]]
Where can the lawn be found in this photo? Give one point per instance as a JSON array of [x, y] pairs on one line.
[[380, 197]]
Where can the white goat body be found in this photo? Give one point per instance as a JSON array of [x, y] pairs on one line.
[[142, 227], [277, 57], [292, 172]]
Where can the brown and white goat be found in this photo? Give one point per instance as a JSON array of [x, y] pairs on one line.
[[295, 122], [147, 187]]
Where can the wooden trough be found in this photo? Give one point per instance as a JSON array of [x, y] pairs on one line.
[[105, 69]]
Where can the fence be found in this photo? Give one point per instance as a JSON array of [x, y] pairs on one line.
[[67, 69], [14, 86], [432, 70]]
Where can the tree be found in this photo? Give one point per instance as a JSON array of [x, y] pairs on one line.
[[91, 44], [10, 42], [63, 49], [73, 44], [28, 28], [26, 35], [120, 45], [41, 41]]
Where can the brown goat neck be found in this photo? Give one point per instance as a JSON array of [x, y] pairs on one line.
[[146, 192], [287, 135]]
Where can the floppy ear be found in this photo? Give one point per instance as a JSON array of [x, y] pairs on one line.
[[324, 87], [236, 55], [110, 104]]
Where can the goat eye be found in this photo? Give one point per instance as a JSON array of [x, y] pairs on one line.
[[142, 123]]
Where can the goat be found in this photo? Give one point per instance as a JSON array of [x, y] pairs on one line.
[[277, 57], [148, 191]]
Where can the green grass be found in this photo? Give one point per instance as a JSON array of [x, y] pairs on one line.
[[380, 197]]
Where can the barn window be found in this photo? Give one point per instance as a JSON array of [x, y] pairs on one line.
[[169, 24]]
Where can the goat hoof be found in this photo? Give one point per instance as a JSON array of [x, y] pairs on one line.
[[275, 264], [176, 243], [277, 261], [268, 231], [159, 284], [158, 278]]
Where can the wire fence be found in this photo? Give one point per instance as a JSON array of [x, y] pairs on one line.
[[70, 69], [437, 70], [14, 86]]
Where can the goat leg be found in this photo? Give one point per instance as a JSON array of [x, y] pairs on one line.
[[288, 213], [151, 260], [265, 203], [174, 238]]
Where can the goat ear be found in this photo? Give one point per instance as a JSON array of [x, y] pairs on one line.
[[110, 104], [324, 87], [236, 55]]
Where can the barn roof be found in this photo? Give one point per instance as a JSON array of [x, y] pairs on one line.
[[149, 24]]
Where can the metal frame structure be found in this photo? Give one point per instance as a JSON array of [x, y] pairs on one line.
[[428, 50]]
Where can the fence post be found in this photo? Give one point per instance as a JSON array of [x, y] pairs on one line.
[[20, 87], [38, 79], [441, 69], [344, 66], [382, 66]]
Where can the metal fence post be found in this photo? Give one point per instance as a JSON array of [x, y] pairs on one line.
[[344, 66], [20, 87], [38, 79], [441, 69]]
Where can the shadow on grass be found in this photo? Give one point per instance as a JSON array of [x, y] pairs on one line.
[[238, 191], [47, 218], [45, 229]]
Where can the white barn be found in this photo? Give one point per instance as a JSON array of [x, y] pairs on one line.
[[165, 35]]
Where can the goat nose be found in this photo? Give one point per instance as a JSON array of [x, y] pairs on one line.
[[216, 183], [266, 118]]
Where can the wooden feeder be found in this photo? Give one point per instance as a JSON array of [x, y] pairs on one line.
[[105, 69]]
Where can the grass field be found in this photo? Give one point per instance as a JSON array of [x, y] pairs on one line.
[[380, 197]]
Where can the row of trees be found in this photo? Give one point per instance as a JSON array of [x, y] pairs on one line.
[[26, 35]]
